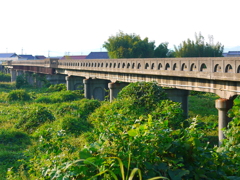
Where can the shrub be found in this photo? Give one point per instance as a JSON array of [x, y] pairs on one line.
[[43, 99], [11, 136], [60, 96], [34, 117], [18, 95], [5, 77], [7, 85], [21, 81], [57, 87], [74, 125], [146, 94]]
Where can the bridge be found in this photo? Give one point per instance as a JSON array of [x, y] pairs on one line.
[[219, 75]]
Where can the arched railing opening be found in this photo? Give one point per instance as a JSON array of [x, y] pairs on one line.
[[152, 66], [193, 67], [184, 67], [229, 69], [167, 67], [203, 67], [146, 66], [175, 66], [133, 65], [139, 66], [217, 68], [238, 69], [159, 66]]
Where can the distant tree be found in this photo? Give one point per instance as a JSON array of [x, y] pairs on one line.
[[132, 46], [199, 48], [162, 50]]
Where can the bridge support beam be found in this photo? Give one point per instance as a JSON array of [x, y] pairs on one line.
[[181, 96], [114, 89], [56, 79], [13, 75], [223, 105]]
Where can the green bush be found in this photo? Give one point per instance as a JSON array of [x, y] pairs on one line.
[[7, 85], [74, 125], [21, 81], [5, 77], [60, 96], [11, 136], [43, 99], [34, 117], [57, 87], [18, 95], [146, 94]]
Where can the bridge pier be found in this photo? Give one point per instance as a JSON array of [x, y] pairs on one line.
[[13, 75], [29, 77], [19, 73], [181, 96], [223, 105], [95, 88], [74, 82], [114, 89], [69, 83]]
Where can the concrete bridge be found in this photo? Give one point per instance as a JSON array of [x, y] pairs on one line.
[[216, 75]]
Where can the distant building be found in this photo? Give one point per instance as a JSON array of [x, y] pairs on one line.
[[40, 57], [8, 57], [232, 54], [98, 55], [73, 57], [26, 57]]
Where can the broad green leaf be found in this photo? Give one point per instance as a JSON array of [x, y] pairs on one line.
[[132, 132], [84, 154]]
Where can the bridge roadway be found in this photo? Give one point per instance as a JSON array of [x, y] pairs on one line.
[[218, 75]]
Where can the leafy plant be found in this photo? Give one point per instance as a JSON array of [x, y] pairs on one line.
[[34, 117], [21, 81], [18, 95], [5, 77], [57, 87], [11, 136]]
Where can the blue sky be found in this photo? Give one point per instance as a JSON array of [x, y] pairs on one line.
[[81, 26]]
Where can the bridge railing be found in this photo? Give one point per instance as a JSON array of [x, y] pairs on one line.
[[204, 67]]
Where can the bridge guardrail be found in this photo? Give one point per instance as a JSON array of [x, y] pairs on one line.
[[204, 67]]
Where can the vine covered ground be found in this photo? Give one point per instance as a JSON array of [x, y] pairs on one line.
[[52, 133]]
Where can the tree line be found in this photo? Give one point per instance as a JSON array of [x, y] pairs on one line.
[[124, 45]]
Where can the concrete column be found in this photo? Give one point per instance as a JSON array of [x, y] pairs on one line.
[[223, 105], [181, 96], [69, 83], [19, 72], [29, 77], [38, 81], [87, 91], [114, 89], [13, 75]]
